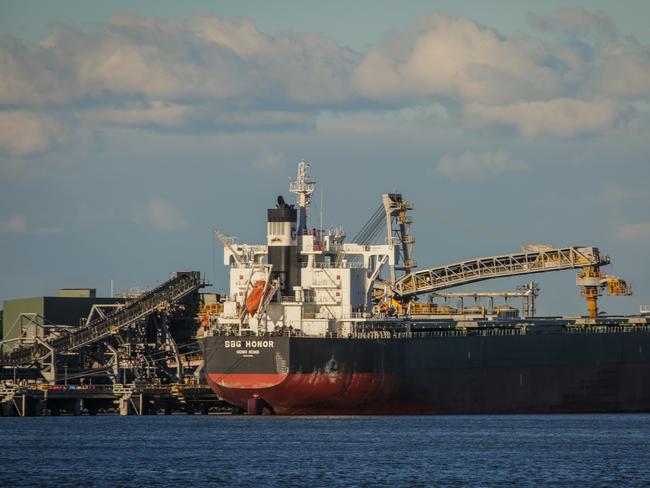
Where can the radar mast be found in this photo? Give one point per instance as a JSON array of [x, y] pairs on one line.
[[303, 187]]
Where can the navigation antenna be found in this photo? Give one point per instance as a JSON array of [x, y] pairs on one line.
[[303, 187]]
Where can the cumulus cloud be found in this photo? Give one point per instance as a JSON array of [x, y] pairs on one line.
[[475, 166], [201, 58], [562, 117], [624, 71], [575, 21], [210, 74], [30, 76], [24, 132], [160, 214], [458, 59], [203, 73]]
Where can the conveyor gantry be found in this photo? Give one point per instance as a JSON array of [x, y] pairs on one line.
[[532, 259], [174, 289]]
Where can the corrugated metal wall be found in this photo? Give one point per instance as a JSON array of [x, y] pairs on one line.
[[55, 310]]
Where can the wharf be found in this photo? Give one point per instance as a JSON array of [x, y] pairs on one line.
[[129, 399]]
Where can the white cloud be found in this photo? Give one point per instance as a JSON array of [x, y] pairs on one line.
[[270, 160], [241, 35], [623, 71], [563, 117], [203, 58], [30, 77], [475, 166], [210, 74], [160, 214], [458, 59], [25, 132], [575, 21]]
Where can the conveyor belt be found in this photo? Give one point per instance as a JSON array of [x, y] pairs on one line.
[[530, 260], [181, 285]]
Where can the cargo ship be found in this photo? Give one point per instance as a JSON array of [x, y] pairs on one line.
[[315, 325]]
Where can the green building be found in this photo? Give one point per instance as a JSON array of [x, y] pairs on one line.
[[70, 307]]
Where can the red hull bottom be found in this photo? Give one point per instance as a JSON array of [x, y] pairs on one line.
[[310, 394]]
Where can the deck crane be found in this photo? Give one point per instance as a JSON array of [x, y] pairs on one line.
[[531, 259]]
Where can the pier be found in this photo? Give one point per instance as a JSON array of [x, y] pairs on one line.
[[130, 399]]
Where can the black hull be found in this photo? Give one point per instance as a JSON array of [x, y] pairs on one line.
[[560, 372]]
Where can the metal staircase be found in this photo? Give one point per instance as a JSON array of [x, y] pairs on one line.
[[532, 259], [182, 284]]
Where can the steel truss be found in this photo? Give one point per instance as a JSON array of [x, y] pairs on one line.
[[158, 299], [533, 259]]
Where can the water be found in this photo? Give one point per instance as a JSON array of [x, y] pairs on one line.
[[530, 450]]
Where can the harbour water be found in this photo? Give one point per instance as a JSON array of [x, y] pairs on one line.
[[201, 450]]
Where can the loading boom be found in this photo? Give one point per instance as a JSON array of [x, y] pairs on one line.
[[533, 259]]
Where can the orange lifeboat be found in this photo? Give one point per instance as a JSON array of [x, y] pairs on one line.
[[205, 320], [255, 297]]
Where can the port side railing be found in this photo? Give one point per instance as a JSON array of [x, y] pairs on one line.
[[533, 259], [173, 290]]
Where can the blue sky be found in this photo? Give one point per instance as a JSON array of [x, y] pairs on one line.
[[128, 130]]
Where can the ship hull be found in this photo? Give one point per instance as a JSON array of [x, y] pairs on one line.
[[601, 372]]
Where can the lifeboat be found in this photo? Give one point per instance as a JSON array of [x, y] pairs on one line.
[[255, 297]]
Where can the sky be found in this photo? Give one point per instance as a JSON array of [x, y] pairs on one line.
[[129, 130]]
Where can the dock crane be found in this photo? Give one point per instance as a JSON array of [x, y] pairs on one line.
[[531, 259]]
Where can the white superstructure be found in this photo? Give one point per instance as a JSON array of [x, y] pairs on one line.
[[336, 278]]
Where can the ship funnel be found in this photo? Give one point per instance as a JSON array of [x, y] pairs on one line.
[[281, 238]]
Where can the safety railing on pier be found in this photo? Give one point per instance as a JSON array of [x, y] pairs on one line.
[[176, 288]]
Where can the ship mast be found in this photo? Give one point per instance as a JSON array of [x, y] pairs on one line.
[[303, 187]]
